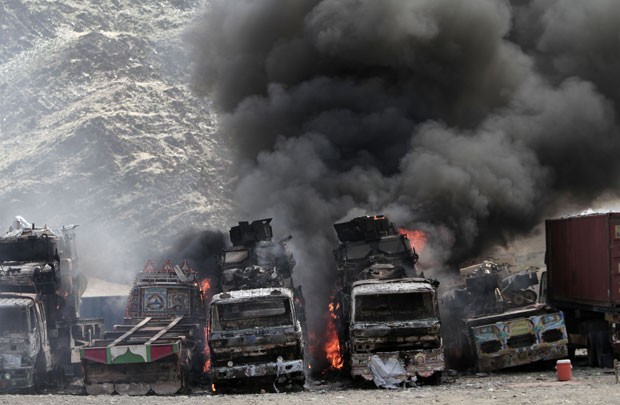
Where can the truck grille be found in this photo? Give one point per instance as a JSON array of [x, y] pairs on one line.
[[262, 356]]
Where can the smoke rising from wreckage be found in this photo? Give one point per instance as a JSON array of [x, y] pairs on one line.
[[469, 121], [340, 108]]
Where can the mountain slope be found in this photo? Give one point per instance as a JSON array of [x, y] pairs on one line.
[[98, 127]]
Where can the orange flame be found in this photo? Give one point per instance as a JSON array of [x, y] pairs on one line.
[[332, 344], [416, 237], [205, 287]]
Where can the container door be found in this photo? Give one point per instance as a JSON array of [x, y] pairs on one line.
[[615, 261]]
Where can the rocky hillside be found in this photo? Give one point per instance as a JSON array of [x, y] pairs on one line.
[[98, 127]]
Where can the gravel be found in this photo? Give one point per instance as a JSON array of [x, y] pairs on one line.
[[587, 386]]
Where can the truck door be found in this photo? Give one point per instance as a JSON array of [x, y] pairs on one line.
[[41, 325]]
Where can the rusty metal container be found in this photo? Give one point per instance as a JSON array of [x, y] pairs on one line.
[[583, 261]]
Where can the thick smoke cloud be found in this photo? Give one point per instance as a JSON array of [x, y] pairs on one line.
[[472, 121], [201, 249]]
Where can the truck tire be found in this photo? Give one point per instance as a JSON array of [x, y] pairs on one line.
[[599, 349], [40, 374]]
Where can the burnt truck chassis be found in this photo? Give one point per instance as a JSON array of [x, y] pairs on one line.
[[404, 349], [517, 337], [374, 259], [259, 350], [488, 329], [40, 287], [249, 353]]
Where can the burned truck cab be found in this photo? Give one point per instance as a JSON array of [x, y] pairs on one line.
[[40, 289], [24, 345], [388, 317], [256, 324], [256, 334], [495, 321], [395, 331]]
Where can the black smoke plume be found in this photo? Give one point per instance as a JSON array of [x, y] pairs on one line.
[[469, 120], [201, 249]]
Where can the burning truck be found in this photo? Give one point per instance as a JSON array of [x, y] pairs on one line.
[[255, 332], [386, 314], [40, 289], [160, 346], [494, 320]]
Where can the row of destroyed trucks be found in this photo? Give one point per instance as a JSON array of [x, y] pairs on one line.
[[391, 328]]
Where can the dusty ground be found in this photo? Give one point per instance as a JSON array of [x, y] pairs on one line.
[[588, 386]]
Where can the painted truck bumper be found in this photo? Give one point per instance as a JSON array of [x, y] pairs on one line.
[[520, 341]]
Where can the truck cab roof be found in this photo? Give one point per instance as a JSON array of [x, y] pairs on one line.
[[16, 300], [241, 295], [391, 286]]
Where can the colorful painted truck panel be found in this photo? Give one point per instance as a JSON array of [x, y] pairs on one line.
[[493, 320], [521, 340], [160, 347]]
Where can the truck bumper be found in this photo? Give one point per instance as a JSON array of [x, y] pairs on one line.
[[515, 357], [283, 368], [412, 363], [16, 379]]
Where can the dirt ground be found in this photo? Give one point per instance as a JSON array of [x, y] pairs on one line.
[[587, 386]]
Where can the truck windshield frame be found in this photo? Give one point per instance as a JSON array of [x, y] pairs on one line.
[[394, 307], [14, 320], [250, 314], [235, 256]]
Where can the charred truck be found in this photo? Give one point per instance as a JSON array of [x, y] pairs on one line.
[[255, 323], [387, 314], [160, 346], [493, 320], [40, 289], [583, 281]]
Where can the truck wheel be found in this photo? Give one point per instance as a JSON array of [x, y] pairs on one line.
[[39, 375], [591, 347], [599, 349]]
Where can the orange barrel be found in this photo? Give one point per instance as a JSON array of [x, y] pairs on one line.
[[563, 368]]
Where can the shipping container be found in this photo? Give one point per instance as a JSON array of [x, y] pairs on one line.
[[583, 280]]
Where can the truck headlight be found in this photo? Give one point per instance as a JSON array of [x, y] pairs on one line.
[[7, 376], [230, 363]]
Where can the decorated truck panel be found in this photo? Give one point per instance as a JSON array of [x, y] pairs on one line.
[[160, 346]]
